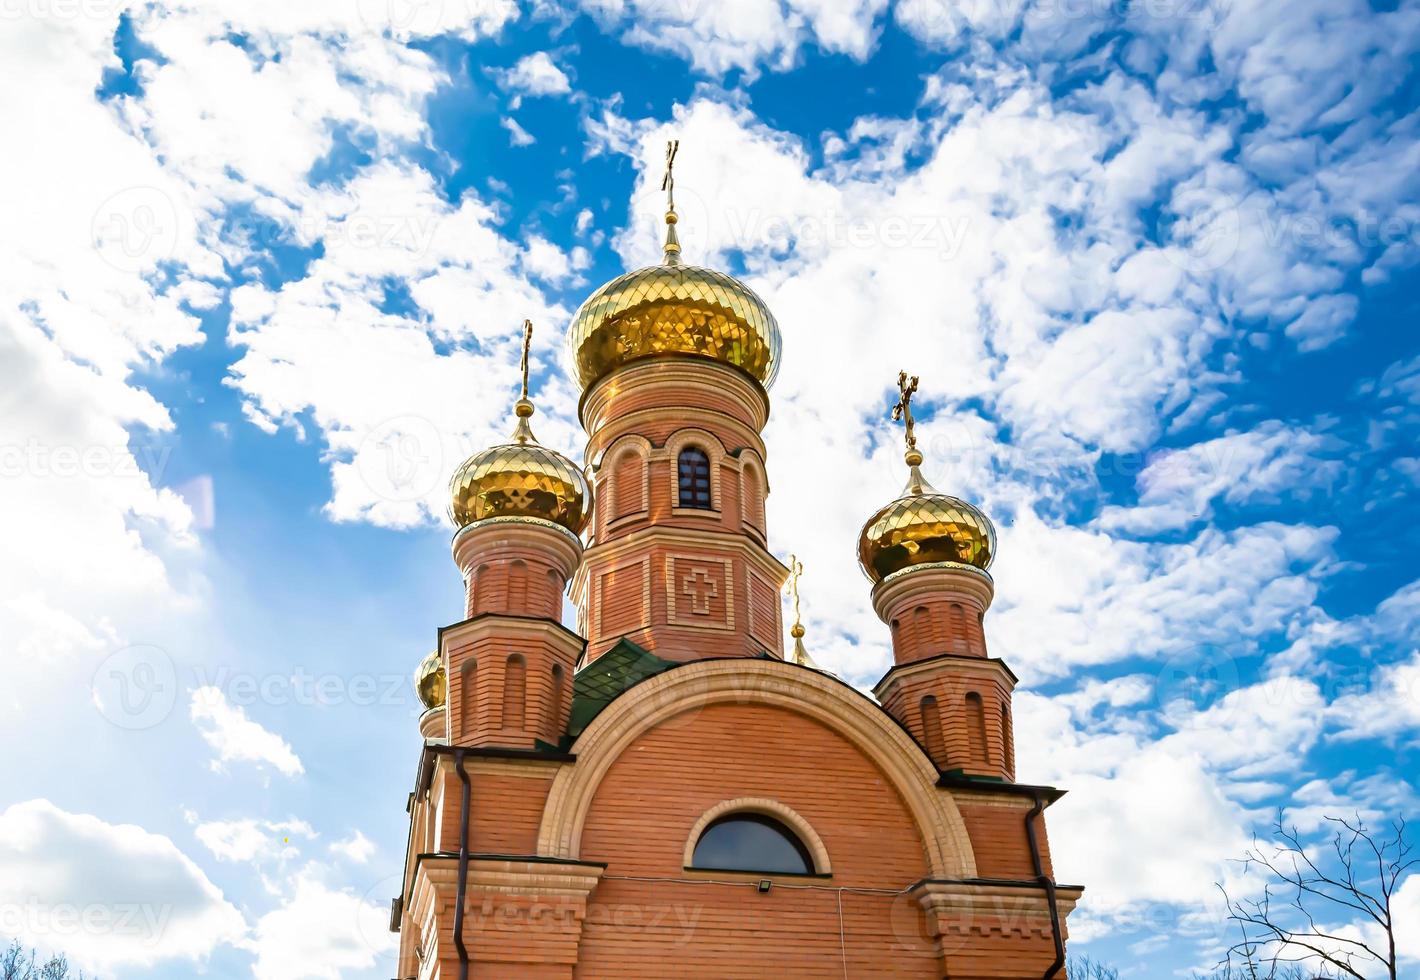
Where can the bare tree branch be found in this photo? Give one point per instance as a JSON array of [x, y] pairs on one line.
[[1368, 870]]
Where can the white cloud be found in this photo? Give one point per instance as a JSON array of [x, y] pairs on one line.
[[319, 932], [1405, 907], [1163, 809], [517, 135], [1262, 465], [311, 345], [248, 839], [108, 895], [1068, 597], [235, 737], [1389, 707], [95, 551], [743, 34], [357, 848], [536, 74]]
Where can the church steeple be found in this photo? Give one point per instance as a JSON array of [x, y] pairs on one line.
[[519, 508], [675, 362], [927, 555]]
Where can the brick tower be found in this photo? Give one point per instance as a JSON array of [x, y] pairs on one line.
[[675, 362], [927, 555], [663, 793]]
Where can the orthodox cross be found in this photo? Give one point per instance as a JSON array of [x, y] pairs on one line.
[[668, 181], [796, 568], [527, 348], [902, 411]]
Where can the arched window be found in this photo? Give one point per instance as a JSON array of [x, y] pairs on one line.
[[628, 484], [693, 472], [751, 842], [960, 637]]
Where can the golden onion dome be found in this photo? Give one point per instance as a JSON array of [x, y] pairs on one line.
[[924, 526], [520, 479], [430, 682], [674, 309]]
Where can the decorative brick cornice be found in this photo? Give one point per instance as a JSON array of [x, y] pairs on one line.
[[935, 581], [959, 909], [961, 665]]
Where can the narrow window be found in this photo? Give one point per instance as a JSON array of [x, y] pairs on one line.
[[694, 477], [467, 697], [515, 688], [559, 685], [976, 718], [751, 842], [1008, 743], [932, 730]]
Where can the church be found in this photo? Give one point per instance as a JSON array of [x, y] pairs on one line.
[[664, 791]]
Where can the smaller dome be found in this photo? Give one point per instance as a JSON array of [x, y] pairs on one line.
[[923, 526], [520, 479], [430, 683]]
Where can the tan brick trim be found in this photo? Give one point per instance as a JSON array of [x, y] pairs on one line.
[[770, 808], [770, 682]]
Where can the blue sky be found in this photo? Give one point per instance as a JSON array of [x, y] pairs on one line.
[[1154, 262]]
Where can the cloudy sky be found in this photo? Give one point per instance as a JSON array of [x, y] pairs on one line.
[[264, 267]]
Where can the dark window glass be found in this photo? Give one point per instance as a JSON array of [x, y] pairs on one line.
[[751, 842], [694, 479]]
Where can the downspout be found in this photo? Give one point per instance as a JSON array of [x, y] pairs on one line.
[[1048, 883], [462, 890]]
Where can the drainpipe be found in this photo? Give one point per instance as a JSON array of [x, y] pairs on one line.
[[1048, 883], [462, 890]]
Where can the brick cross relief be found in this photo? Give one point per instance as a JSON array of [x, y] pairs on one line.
[[701, 587]]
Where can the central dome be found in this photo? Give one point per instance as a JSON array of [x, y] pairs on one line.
[[674, 309]]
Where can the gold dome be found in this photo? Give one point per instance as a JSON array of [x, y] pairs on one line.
[[520, 479], [674, 309], [924, 526], [430, 683]]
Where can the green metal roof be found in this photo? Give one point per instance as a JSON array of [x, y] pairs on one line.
[[609, 676]]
